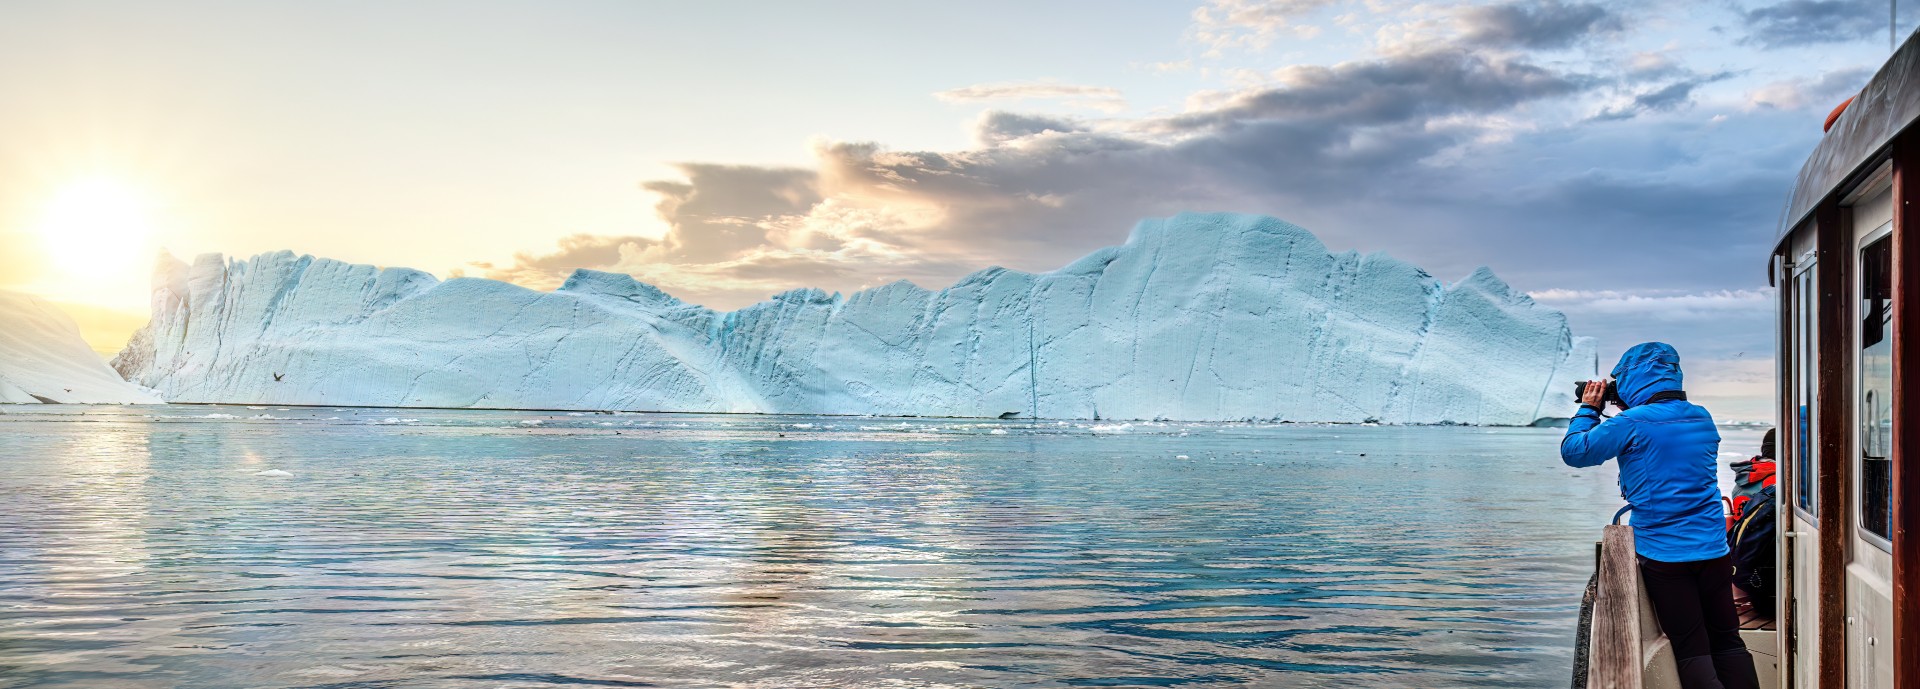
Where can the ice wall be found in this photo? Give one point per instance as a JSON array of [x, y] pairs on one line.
[[1196, 317], [44, 359]]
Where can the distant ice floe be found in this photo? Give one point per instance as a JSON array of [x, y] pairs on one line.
[[43, 359]]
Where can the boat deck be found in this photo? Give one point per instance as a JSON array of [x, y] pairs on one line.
[[1750, 616]]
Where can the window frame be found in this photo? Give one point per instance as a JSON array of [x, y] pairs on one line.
[[1864, 241], [1804, 385]]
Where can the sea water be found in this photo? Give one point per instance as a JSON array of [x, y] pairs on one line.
[[195, 546]]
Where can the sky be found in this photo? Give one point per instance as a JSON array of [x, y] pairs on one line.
[[1624, 162]]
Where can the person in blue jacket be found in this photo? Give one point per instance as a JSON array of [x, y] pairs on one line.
[[1668, 450]]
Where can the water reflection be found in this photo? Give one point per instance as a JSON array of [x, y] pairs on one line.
[[157, 547]]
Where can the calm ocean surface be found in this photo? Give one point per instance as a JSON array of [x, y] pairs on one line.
[[203, 547]]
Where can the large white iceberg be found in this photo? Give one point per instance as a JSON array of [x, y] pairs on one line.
[[1196, 317], [44, 359]]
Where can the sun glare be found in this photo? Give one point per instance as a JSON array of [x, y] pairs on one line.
[[97, 228]]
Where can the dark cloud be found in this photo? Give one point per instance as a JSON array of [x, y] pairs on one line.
[[1540, 26], [1040, 191], [719, 209], [1392, 90], [1808, 22], [1669, 98], [997, 127]]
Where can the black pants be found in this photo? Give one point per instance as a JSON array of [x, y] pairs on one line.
[[1694, 601]]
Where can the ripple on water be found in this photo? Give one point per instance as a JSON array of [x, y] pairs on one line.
[[143, 547]]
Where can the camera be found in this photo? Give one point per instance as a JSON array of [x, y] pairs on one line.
[[1612, 394]]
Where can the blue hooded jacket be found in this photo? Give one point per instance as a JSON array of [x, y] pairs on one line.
[[1668, 452]]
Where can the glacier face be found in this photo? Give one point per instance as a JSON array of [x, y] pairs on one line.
[[44, 359], [1196, 317]]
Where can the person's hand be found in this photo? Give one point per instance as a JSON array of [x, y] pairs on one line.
[[1595, 395]]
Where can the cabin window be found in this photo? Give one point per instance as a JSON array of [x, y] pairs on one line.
[[1876, 388], [1806, 455]]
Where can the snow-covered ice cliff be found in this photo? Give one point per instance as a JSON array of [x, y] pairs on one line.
[[43, 359], [1196, 317]]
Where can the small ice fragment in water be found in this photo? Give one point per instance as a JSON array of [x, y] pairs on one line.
[[802, 425], [532, 422], [1181, 457], [275, 473], [998, 431]]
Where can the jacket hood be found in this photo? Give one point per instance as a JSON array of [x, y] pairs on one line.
[[1646, 369]]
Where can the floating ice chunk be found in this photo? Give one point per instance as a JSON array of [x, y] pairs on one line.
[[1181, 457], [533, 422], [273, 473], [998, 431]]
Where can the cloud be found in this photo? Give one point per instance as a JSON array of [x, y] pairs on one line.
[[997, 127], [1671, 97], [1664, 305], [1824, 91], [1809, 22], [1040, 191], [1252, 24], [1388, 90], [1724, 337], [1096, 97], [1539, 26]]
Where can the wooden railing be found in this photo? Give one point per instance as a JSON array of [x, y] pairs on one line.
[[1625, 633]]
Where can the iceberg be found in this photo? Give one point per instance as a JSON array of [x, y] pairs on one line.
[[1197, 317], [44, 360]]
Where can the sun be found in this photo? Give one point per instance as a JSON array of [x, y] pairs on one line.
[[97, 227]]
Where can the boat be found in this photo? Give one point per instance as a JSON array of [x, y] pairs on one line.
[[1845, 263]]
